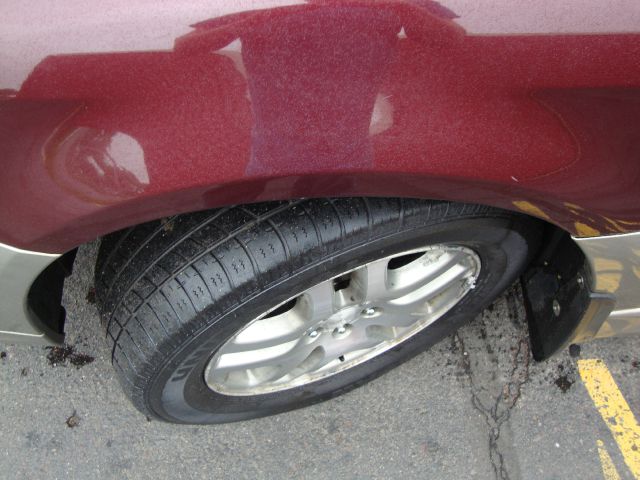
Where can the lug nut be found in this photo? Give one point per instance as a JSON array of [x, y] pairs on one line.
[[313, 333], [369, 312], [340, 330]]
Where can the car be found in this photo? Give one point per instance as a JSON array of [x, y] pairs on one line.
[[293, 198]]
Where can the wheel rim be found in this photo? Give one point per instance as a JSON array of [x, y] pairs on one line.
[[343, 321]]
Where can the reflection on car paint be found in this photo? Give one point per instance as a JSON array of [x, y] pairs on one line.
[[98, 166], [266, 101]]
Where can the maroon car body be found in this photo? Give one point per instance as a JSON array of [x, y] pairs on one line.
[[385, 132], [123, 112]]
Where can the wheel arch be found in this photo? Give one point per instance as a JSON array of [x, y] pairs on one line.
[[557, 247], [100, 219]]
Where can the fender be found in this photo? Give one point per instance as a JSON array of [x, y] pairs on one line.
[[116, 116], [350, 98]]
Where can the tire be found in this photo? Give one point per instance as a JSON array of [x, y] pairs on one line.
[[173, 292]]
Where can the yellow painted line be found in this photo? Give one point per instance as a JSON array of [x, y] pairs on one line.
[[614, 410], [608, 468]]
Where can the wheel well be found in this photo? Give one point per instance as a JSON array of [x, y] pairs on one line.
[[559, 256], [44, 300]]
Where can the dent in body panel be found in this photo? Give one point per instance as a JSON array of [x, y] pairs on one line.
[[355, 98]]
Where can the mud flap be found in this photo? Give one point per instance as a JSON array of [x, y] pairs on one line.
[[561, 308]]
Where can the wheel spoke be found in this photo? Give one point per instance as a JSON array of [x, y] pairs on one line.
[[372, 280], [238, 346], [418, 297], [269, 332], [358, 339], [394, 319], [319, 301], [277, 357], [299, 363], [421, 272]]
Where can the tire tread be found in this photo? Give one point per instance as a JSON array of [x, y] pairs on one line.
[[152, 280]]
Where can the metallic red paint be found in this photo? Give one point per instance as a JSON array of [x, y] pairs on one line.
[[327, 98]]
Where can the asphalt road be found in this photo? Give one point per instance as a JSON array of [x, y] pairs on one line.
[[474, 406]]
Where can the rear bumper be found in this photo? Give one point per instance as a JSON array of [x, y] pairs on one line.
[[615, 264], [19, 269], [580, 289]]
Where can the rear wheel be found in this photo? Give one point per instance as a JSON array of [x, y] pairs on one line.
[[248, 311]]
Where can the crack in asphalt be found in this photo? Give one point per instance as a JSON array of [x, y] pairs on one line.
[[497, 410]]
